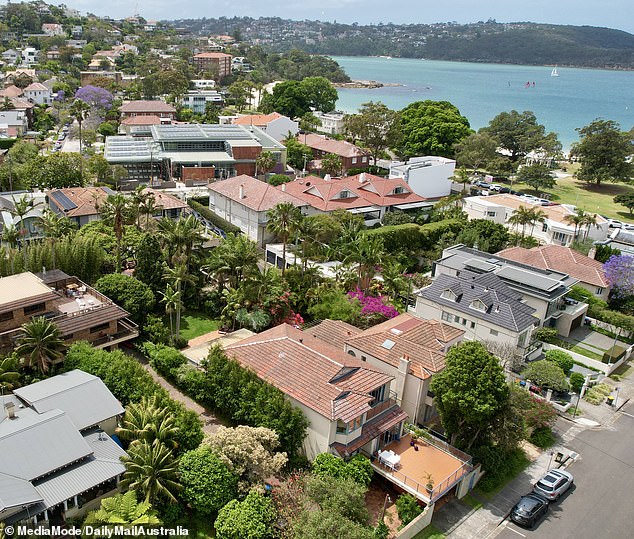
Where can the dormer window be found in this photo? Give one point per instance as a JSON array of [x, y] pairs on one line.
[[398, 190], [345, 194], [449, 295], [478, 305]]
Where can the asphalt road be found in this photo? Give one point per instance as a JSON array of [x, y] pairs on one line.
[[599, 505]]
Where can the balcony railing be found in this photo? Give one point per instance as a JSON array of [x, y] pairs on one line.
[[128, 330], [380, 408]]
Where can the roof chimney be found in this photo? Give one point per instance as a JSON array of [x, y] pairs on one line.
[[362, 177], [283, 187], [9, 408], [241, 193], [327, 177]]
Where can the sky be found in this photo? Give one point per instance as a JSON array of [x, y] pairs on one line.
[[608, 13]]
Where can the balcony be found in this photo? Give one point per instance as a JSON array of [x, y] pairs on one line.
[[427, 473], [126, 330], [380, 408]]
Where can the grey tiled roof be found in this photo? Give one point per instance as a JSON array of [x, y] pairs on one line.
[[504, 308]]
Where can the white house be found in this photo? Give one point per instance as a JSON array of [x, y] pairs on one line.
[[244, 202], [11, 56], [196, 100], [427, 176], [331, 122], [38, 93], [30, 56], [53, 29], [554, 229], [203, 84]]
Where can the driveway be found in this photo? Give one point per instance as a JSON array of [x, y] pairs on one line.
[[592, 340]]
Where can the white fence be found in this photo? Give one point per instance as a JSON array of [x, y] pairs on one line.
[[417, 525]]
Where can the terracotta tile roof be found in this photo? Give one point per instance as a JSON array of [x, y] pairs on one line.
[[87, 200], [365, 190], [11, 91], [422, 341], [554, 213], [258, 120], [21, 104], [334, 332], [146, 106], [325, 144], [212, 55], [559, 258], [319, 376], [258, 196], [150, 119], [165, 200], [36, 87]]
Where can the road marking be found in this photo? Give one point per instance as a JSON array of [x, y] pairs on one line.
[[628, 415], [518, 533]]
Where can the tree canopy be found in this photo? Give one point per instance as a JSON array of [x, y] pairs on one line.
[[133, 295], [376, 125], [432, 128], [546, 374], [251, 518]]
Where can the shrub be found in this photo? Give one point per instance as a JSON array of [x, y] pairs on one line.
[[500, 465], [156, 330], [357, 468], [563, 360], [546, 374], [542, 437], [407, 508], [213, 218], [133, 295], [547, 335], [164, 359], [279, 179], [576, 381]]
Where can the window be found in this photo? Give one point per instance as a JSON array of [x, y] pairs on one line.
[[354, 160], [544, 227], [561, 237], [364, 159], [449, 294], [521, 341], [351, 352], [456, 319], [34, 308], [599, 290], [464, 321], [399, 190], [378, 395], [354, 425], [344, 194], [341, 427], [363, 358], [491, 214], [446, 317], [6, 316], [478, 305], [472, 325], [493, 332]]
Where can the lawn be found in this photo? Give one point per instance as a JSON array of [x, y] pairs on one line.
[[430, 532], [194, 324], [586, 352], [595, 199]]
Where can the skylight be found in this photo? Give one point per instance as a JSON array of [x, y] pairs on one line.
[[388, 344]]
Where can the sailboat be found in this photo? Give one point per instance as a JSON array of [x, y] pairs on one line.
[[554, 73]]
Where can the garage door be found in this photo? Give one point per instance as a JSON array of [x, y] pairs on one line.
[[577, 322]]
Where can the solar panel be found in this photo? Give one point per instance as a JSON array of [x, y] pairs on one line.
[[65, 202]]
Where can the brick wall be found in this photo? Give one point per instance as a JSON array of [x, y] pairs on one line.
[[246, 152], [198, 173]]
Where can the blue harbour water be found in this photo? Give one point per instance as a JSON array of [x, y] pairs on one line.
[[481, 91]]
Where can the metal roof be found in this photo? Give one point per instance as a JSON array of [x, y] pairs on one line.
[[16, 492], [528, 278], [33, 444], [84, 397]]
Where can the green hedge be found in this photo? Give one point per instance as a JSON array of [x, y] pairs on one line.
[[6, 143], [213, 218], [130, 382], [415, 237], [235, 392]]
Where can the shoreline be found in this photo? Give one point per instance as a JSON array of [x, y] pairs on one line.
[[365, 84]]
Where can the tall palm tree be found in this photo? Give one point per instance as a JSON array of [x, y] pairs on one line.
[[40, 344], [521, 217], [589, 221], [152, 471], [55, 227], [123, 510], [79, 111], [178, 277], [180, 237], [147, 421], [538, 216], [148, 207], [171, 298], [20, 210], [264, 162], [284, 220], [577, 220], [367, 253], [232, 261], [117, 211]]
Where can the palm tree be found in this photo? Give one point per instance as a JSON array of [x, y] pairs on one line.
[[123, 510], [117, 211], [522, 216], [180, 237], [151, 470], [232, 261], [20, 209], [538, 216], [264, 162], [589, 221], [9, 373], [40, 344], [367, 253], [147, 421], [284, 220], [577, 220], [172, 299], [55, 227], [462, 176], [178, 276], [79, 111], [148, 207]]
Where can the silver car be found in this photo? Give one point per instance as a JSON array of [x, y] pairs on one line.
[[553, 484]]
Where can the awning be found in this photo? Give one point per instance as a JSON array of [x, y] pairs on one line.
[[413, 205], [365, 209]]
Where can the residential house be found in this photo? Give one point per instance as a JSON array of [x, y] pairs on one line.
[[620, 239], [19, 71], [194, 152], [30, 56], [101, 63], [14, 122], [53, 54], [11, 56], [331, 122], [589, 272], [351, 408], [555, 228], [275, 125], [409, 349], [83, 204], [52, 29], [244, 202], [30, 222], [140, 126], [197, 100], [351, 156], [11, 91], [79, 312], [86, 77], [203, 84], [38, 93], [364, 194], [58, 459], [239, 64], [427, 176], [131, 109], [215, 62], [541, 289], [348, 404]]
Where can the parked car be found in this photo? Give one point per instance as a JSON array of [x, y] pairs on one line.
[[483, 184], [495, 187], [627, 226], [529, 510], [553, 484], [505, 190]]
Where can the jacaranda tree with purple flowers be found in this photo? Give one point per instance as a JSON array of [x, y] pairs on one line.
[[619, 272], [98, 98]]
